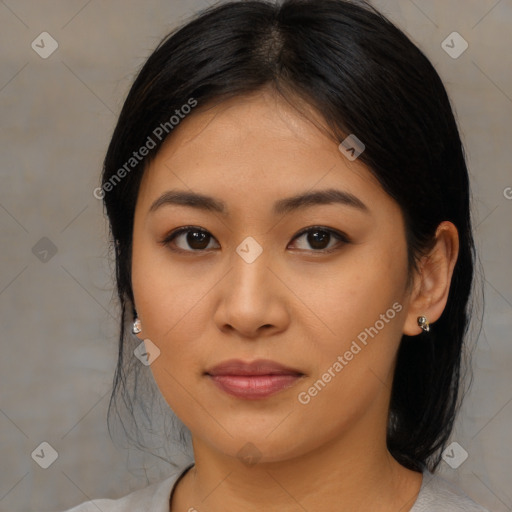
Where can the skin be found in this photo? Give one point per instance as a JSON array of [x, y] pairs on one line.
[[295, 304]]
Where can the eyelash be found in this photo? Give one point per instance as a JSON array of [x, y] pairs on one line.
[[339, 236]]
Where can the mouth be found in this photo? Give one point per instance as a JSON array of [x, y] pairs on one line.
[[255, 380]]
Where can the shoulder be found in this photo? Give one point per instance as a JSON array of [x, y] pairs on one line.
[[439, 495], [153, 498]]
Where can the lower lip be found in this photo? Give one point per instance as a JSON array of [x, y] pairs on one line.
[[253, 387]]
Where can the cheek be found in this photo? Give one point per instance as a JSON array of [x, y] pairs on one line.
[[172, 303], [173, 317], [352, 370], [361, 308], [165, 294], [346, 297]]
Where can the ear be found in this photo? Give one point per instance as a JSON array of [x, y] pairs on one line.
[[433, 278]]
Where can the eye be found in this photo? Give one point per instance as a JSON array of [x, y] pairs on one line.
[[189, 239], [319, 238], [194, 239]]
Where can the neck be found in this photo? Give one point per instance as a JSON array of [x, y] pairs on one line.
[[352, 473]]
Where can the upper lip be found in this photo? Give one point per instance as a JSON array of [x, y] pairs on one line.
[[257, 367]]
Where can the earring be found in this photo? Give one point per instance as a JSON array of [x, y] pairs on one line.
[[137, 326], [423, 323]]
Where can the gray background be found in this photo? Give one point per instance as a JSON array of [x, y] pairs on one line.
[[57, 317]]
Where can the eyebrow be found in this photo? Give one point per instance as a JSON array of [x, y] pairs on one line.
[[286, 205]]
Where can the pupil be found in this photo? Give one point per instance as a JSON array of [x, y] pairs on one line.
[[318, 239], [196, 239]]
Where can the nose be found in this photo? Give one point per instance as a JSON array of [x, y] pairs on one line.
[[253, 301]]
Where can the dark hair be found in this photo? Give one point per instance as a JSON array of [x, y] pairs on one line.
[[365, 77]]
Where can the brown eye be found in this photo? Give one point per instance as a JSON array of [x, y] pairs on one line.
[[192, 239], [189, 239], [320, 239]]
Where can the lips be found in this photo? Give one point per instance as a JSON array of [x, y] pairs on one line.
[[258, 367], [254, 380]]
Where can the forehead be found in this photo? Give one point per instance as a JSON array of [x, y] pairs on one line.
[[256, 147], [258, 124]]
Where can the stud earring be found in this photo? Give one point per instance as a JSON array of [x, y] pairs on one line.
[[423, 323], [137, 326]]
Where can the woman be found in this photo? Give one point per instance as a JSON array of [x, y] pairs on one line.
[[289, 205]]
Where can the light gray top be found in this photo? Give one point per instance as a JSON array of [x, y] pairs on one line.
[[436, 495]]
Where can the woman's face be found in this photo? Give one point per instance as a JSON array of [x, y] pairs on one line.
[[317, 285]]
